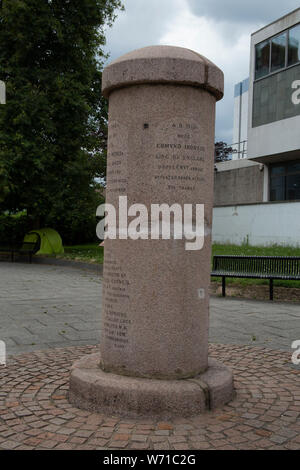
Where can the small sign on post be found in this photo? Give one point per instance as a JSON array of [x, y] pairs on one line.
[[2, 93], [2, 353]]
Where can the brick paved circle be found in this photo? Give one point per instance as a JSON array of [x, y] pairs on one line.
[[35, 412]]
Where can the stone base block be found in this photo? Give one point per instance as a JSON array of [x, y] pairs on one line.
[[94, 390]]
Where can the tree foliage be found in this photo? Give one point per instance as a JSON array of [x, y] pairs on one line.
[[53, 126], [223, 151], [3, 184]]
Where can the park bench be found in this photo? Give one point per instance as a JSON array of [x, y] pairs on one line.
[[27, 249], [256, 267]]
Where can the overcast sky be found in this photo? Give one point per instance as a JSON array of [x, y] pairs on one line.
[[217, 29]]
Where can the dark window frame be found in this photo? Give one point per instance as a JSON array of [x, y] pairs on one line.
[[285, 174], [269, 40]]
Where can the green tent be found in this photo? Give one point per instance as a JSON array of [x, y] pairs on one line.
[[50, 241]]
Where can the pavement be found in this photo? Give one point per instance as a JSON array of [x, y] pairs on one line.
[[45, 306], [50, 316]]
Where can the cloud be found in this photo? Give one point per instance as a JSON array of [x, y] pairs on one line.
[[242, 11], [218, 29], [141, 25], [205, 37]]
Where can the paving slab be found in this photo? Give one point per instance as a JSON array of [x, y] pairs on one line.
[[44, 306]]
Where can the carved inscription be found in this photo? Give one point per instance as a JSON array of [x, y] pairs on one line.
[[117, 159], [116, 300], [179, 158]]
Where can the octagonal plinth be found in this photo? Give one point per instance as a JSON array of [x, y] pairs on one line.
[[95, 390]]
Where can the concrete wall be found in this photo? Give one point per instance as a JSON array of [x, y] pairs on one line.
[[238, 182], [272, 97], [258, 224]]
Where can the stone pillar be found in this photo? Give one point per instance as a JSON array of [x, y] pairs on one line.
[[156, 292]]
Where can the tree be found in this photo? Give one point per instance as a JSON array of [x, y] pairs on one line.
[[222, 151], [52, 128], [3, 185]]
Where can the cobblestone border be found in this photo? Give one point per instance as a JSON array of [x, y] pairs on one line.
[[35, 412]]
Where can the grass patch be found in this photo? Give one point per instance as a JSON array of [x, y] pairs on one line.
[[92, 253], [274, 250]]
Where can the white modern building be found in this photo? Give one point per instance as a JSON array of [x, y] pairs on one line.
[[240, 120], [257, 194]]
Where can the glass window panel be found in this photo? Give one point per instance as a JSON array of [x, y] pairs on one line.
[[262, 59], [294, 45], [293, 187], [277, 189], [293, 167], [278, 52], [277, 170]]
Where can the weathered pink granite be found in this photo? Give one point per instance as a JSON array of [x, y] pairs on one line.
[[94, 390], [155, 292], [163, 64]]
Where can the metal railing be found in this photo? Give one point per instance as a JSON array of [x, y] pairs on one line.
[[239, 149]]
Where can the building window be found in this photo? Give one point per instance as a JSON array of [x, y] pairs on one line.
[[262, 61], [285, 181], [278, 48], [294, 45], [277, 52]]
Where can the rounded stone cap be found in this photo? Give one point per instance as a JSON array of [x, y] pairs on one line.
[[163, 64]]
